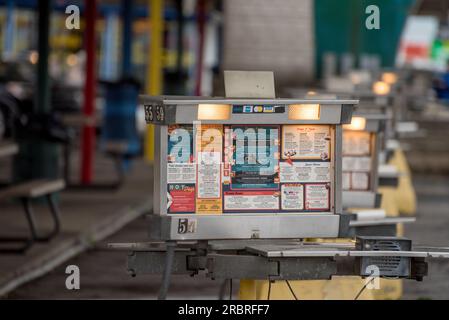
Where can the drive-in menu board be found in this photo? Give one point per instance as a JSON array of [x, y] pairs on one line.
[[357, 160], [225, 169]]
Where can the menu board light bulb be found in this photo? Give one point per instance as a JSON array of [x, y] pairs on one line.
[[304, 112], [214, 111], [357, 124], [389, 77], [381, 88]]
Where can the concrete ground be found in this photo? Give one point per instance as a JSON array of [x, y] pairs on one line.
[[431, 228], [103, 276], [103, 272], [87, 217]]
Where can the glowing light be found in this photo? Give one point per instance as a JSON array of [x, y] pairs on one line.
[[381, 88], [304, 112], [34, 57], [72, 60], [357, 124], [214, 111], [390, 78]]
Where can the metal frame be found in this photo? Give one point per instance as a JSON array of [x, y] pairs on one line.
[[284, 261], [27, 242]]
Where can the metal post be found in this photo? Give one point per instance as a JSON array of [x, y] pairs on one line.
[[43, 155], [10, 24], [109, 53], [43, 80], [201, 32], [170, 254], [88, 142], [127, 38], [154, 79], [180, 39]]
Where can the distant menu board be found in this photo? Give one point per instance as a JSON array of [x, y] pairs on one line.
[[357, 160], [226, 169]]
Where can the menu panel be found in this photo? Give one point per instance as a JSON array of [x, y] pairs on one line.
[[227, 169]]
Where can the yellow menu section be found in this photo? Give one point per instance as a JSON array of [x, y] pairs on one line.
[[209, 148]]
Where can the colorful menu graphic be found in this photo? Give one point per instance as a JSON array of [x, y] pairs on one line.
[[251, 168], [181, 198], [357, 160], [209, 148], [181, 170], [253, 155], [226, 169]]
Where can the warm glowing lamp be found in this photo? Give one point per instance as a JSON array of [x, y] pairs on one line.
[[357, 123], [34, 57], [389, 77], [214, 111], [304, 112], [381, 88], [72, 60]]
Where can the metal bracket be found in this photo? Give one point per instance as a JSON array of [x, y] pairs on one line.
[[293, 260]]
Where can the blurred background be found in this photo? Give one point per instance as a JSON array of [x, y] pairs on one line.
[[73, 137]]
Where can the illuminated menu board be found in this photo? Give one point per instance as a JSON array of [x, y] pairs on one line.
[[229, 169]]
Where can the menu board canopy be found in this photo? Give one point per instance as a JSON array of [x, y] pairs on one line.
[[164, 110]]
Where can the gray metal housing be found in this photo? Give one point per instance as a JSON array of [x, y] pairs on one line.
[[163, 111]]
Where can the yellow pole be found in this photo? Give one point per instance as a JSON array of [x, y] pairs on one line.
[[154, 77]]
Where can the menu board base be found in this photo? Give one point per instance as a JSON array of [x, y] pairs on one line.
[[243, 226]]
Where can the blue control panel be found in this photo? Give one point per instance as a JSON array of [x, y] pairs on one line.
[[258, 109]]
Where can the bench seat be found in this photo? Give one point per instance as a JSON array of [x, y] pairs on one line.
[[32, 189], [26, 192], [8, 149]]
